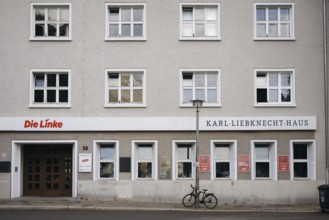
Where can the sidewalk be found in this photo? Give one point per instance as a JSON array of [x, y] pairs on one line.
[[46, 203]]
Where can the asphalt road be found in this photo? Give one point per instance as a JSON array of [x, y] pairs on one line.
[[161, 215]]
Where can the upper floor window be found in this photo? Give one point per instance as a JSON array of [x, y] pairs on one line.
[[274, 22], [125, 88], [50, 88], [125, 22], [274, 88], [51, 21], [202, 85], [199, 22]]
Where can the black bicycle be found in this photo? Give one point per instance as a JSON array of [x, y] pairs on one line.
[[207, 199]]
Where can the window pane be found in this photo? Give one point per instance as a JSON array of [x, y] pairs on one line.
[[106, 170], [39, 14], [199, 80], [286, 95], [187, 30], [113, 79], [261, 95], [285, 14], [274, 79], [261, 80], [200, 94], [125, 14], [113, 95], [145, 153], [51, 80], [64, 30], [222, 170], [199, 29], [138, 79], [187, 79], [64, 14], [138, 95], [63, 95], [300, 151], [125, 31], [262, 152], [184, 152], [114, 30], [52, 29], [273, 14], [145, 170], [212, 79], [125, 80], [261, 14], [39, 30], [39, 80], [285, 30], [138, 14], [261, 30], [300, 170], [138, 30], [63, 80], [107, 152], [211, 30], [274, 96], [285, 79], [212, 95], [38, 96], [51, 95], [184, 169], [114, 14], [199, 14], [187, 95], [222, 152], [52, 14], [187, 14], [262, 169], [273, 30], [125, 95], [211, 14]]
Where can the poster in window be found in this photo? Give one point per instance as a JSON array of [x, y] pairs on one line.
[[204, 164], [165, 167], [244, 163], [85, 163], [283, 163]]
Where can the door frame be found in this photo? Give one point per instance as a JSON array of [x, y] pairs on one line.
[[17, 164]]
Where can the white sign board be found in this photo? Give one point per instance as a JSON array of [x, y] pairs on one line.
[[85, 163]]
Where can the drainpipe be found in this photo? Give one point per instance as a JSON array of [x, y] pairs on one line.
[[325, 86]]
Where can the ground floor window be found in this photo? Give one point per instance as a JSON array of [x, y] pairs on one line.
[[106, 160], [264, 156], [144, 156], [303, 159], [183, 160], [224, 159]]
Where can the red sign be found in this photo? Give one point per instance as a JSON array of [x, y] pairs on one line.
[[283, 164], [204, 164], [43, 124], [244, 163]]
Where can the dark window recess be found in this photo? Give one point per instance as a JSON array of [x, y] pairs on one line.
[[261, 95], [125, 164], [5, 166]]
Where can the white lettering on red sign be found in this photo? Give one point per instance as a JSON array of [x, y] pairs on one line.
[[43, 124]]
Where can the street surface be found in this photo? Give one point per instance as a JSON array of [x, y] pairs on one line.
[[160, 215]]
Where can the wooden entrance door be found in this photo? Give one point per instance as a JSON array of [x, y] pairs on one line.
[[47, 170]]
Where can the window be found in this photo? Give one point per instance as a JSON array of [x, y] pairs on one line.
[[303, 159], [199, 22], [106, 165], [202, 85], [144, 165], [50, 88], [183, 160], [51, 21], [274, 22], [274, 88], [224, 157], [125, 88], [264, 156], [125, 22]]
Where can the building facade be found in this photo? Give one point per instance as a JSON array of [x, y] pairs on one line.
[[96, 99]]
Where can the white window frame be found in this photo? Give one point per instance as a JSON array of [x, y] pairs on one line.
[[55, 104], [233, 158], [181, 37], [292, 102], [96, 151], [205, 103], [52, 38], [273, 168], [311, 159], [119, 104], [276, 5], [175, 159], [135, 160], [107, 22]]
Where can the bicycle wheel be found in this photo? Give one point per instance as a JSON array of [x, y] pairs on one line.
[[188, 200], [210, 201]]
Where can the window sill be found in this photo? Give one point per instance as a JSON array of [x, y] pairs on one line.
[[199, 38], [50, 106], [125, 39], [50, 38], [204, 105], [274, 38], [119, 105], [275, 105]]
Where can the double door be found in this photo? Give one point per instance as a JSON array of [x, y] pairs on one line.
[[47, 170]]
